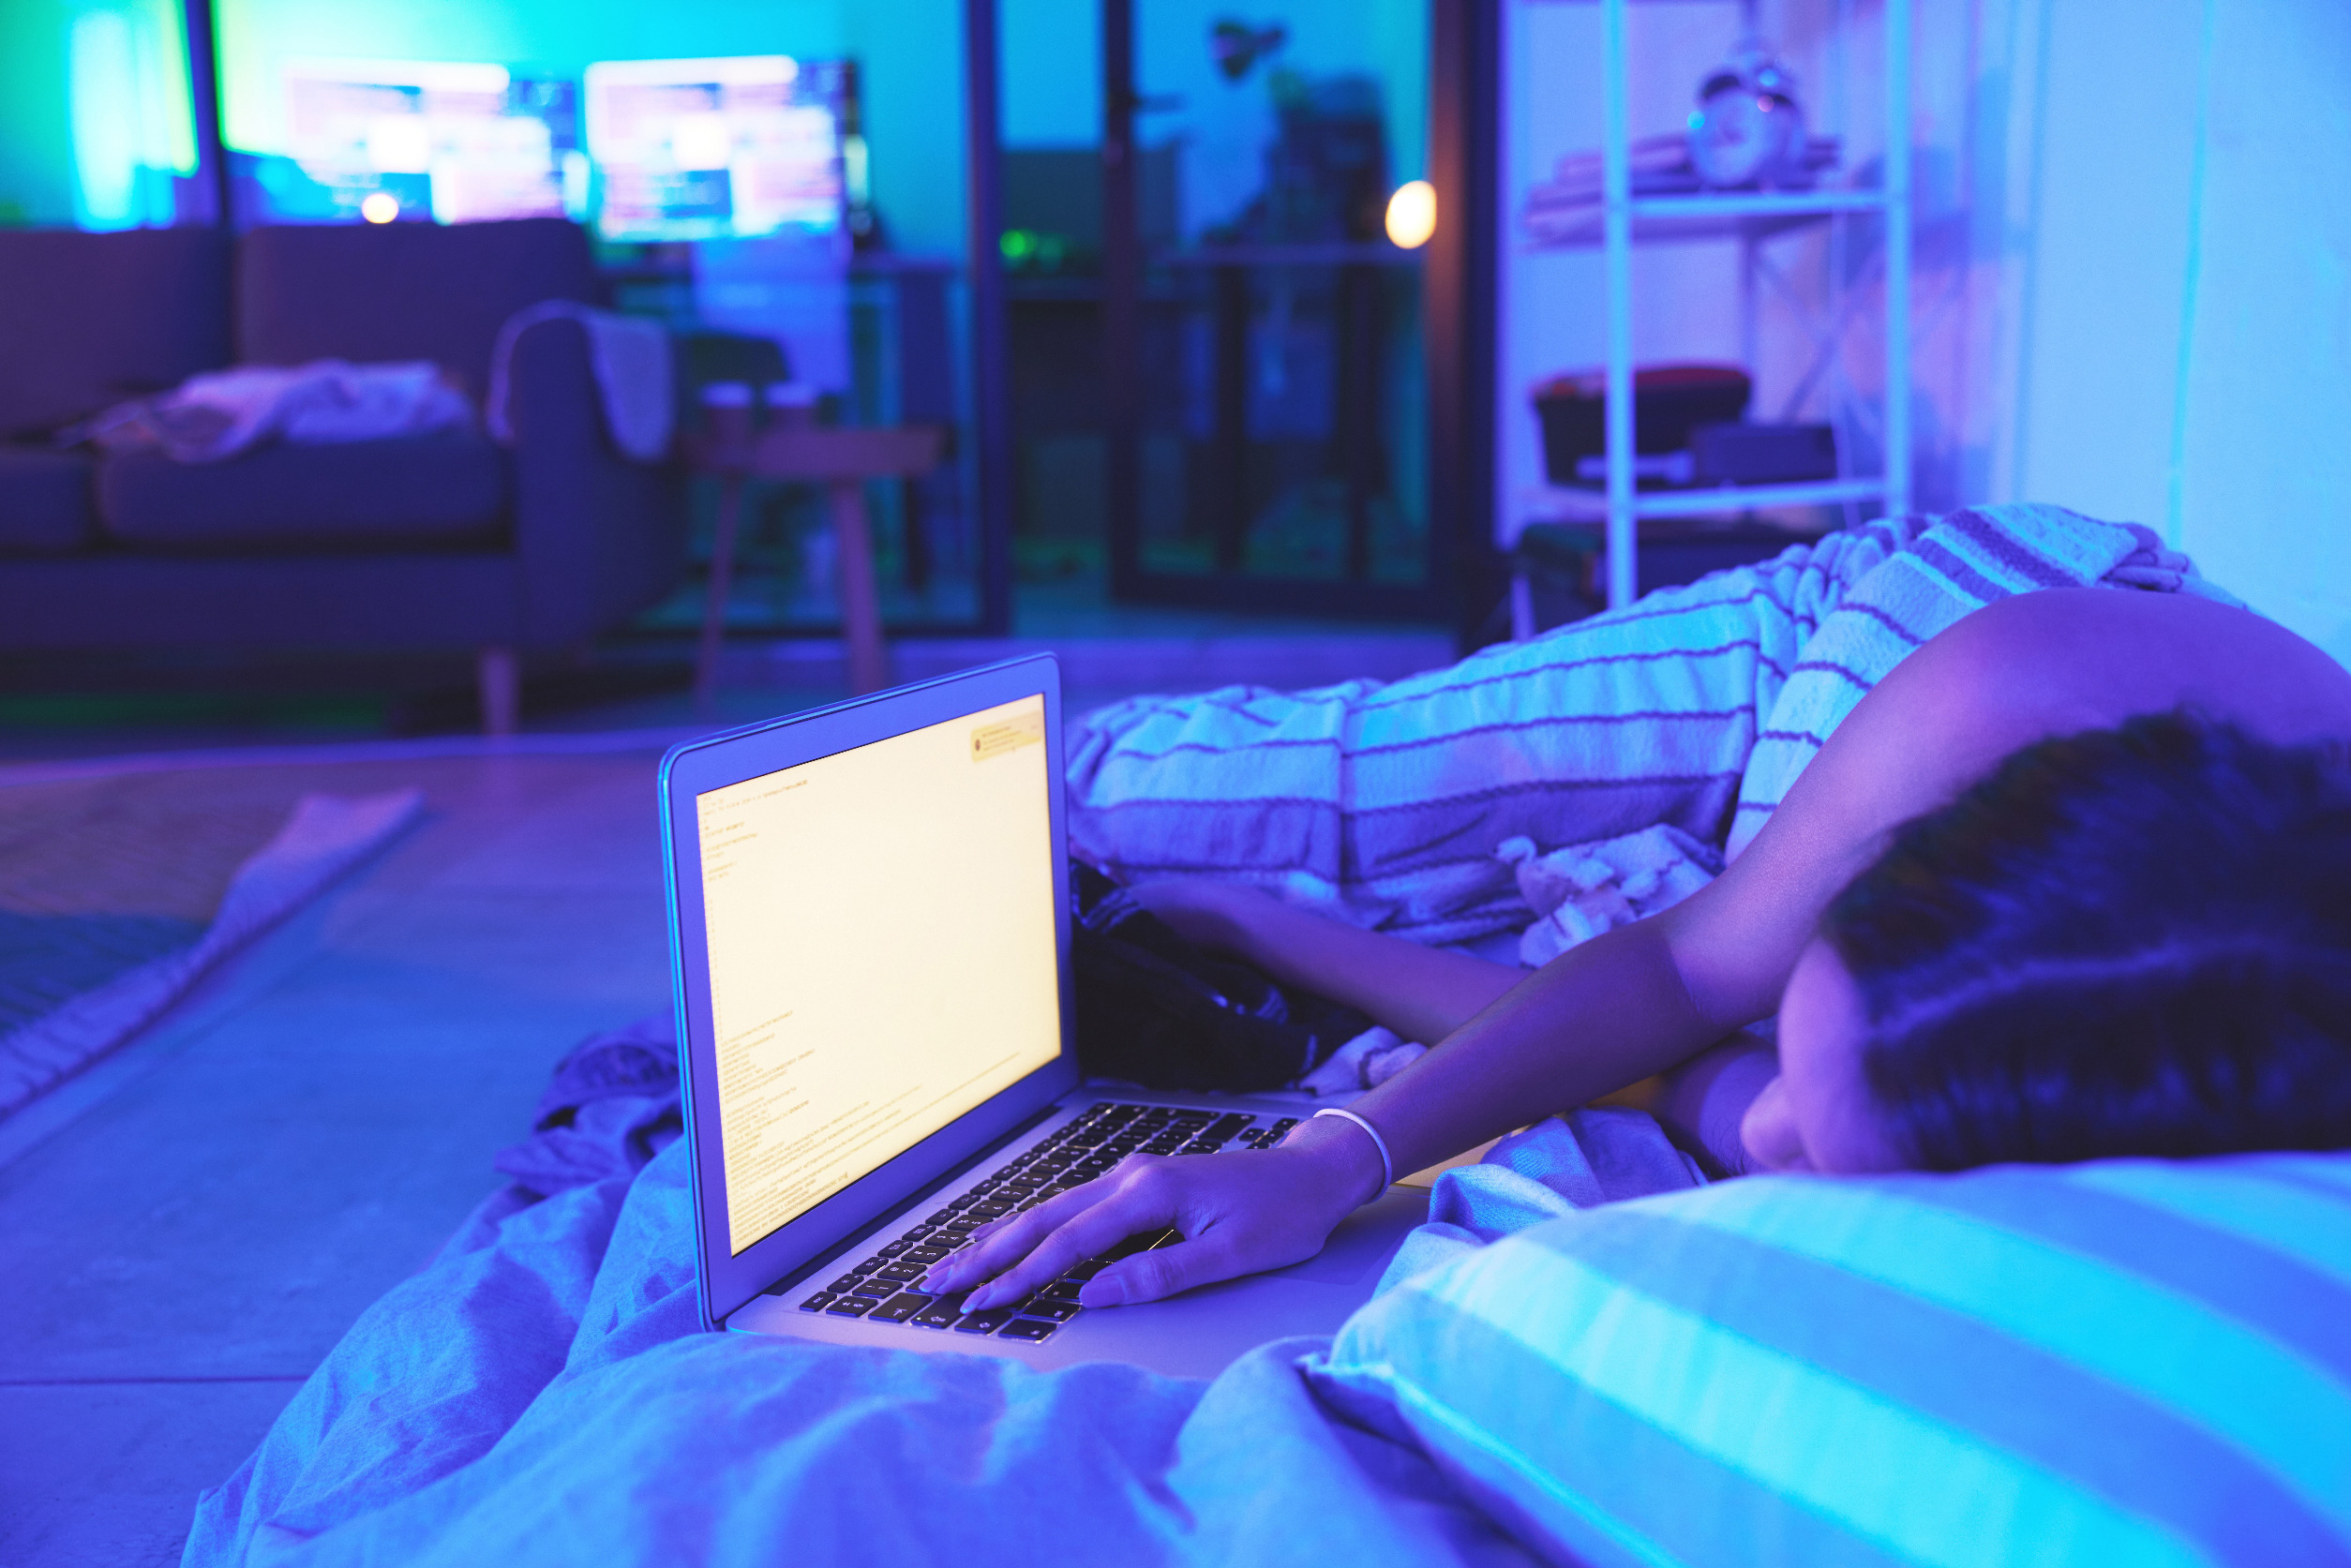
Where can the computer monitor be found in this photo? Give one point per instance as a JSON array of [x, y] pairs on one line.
[[716, 149], [459, 141]]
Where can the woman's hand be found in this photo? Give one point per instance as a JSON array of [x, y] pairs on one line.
[[1239, 1213]]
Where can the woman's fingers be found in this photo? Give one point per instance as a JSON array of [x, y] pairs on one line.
[[1021, 1259], [1166, 1271], [1239, 1213]]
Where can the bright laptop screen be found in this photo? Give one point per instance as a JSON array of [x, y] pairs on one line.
[[883, 952]]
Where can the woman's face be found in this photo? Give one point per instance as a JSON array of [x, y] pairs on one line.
[[1817, 1115]]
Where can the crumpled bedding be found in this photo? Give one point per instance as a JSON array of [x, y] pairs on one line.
[[543, 1393]]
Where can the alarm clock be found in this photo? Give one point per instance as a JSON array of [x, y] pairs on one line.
[[1747, 128]]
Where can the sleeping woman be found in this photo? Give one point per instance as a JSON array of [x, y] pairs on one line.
[[2073, 881]]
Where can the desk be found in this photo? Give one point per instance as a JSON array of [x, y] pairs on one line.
[[841, 458]]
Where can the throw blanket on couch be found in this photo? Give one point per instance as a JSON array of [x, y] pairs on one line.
[[216, 416], [630, 357], [1696, 707]]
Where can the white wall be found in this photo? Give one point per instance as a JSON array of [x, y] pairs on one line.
[[2134, 250], [2183, 338]]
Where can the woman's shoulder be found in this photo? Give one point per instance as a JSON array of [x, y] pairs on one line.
[[2072, 659], [2058, 662]]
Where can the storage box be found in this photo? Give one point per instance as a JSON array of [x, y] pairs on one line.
[[1668, 401], [1738, 453]]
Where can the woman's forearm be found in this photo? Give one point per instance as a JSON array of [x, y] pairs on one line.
[[1593, 1019], [1423, 994]]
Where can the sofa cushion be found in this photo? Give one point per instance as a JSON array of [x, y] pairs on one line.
[[370, 292], [44, 502], [91, 319], [445, 489]]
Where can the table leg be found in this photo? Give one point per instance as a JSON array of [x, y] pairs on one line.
[[854, 585], [1228, 448], [714, 602]]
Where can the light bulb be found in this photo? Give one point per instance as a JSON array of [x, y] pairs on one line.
[[1412, 215], [381, 207]]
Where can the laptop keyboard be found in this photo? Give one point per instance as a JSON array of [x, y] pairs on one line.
[[881, 1288]]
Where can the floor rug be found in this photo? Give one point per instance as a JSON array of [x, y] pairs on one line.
[[117, 894]]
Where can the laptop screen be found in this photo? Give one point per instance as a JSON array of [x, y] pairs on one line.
[[882, 949]]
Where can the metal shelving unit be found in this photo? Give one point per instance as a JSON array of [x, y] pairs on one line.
[[1623, 220]]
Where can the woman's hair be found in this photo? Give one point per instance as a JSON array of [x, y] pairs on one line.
[[2131, 941]]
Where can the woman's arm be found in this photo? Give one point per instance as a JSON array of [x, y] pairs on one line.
[[1423, 994], [1649, 996], [1598, 1017]]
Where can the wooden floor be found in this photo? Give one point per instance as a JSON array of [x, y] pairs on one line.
[[191, 1224]]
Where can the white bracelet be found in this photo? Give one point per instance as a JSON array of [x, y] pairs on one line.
[[1387, 1166]]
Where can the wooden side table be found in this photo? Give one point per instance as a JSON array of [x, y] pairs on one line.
[[842, 459]]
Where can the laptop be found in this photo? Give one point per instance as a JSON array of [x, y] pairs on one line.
[[869, 921]]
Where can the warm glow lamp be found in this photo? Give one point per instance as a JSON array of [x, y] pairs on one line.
[[1412, 215], [381, 207]]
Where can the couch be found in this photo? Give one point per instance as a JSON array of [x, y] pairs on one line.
[[442, 542]]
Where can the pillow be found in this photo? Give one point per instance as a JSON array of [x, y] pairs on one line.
[[2124, 1362]]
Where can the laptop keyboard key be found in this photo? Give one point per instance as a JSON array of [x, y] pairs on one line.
[[873, 1288], [1141, 1241], [983, 1323], [819, 1302], [1028, 1329], [851, 1306], [848, 1281], [898, 1309], [1042, 1305], [942, 1313]]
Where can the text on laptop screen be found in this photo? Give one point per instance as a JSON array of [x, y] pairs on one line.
[[883, 952]]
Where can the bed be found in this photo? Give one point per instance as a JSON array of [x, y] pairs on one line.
[[1588, 1355]]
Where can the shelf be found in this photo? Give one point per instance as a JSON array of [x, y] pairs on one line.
[[1557, 503], [1333, 253], [1684, 220], [1618, 216], [1758, 203]]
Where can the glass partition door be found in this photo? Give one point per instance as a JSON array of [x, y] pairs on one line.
[[1262, 270]]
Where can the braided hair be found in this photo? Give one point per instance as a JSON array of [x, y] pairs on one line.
[[2129, 941]]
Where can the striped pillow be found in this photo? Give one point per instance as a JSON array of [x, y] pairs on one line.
[[2125, 1362]]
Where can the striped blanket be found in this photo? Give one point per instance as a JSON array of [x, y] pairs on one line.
[[1697, 707]]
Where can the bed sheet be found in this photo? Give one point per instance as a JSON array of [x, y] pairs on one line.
[[542, 1392]]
